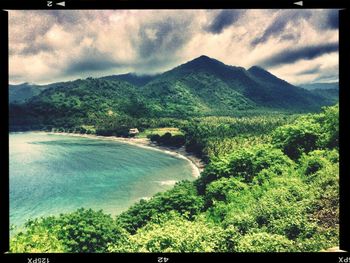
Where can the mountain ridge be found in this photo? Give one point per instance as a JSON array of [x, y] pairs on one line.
[[200, 87]]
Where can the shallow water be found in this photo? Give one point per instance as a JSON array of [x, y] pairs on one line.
[[52, 174]]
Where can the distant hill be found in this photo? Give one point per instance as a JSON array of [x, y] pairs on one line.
[[22, 92], [328, 91], [313, 86], [203, 86]]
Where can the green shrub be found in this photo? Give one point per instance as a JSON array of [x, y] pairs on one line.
[[317, 160], [219, 189], [167, 139], [329, 120], [242, 202], [264, 242], [154, 137], [324, 208], [177, 140], [38, 238], [88, 231], [80, 231], [173, 233], [243, 221], [276, 204], [293, 226], [320, 241]]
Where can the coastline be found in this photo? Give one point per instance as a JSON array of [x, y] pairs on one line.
[[197, 165]]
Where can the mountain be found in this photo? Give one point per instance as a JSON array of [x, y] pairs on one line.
[[208, 85], [203, 86]]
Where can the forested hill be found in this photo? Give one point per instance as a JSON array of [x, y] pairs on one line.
[[203, 86], [137, 80]]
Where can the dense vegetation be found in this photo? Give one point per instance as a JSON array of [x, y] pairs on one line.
[[271, 184]]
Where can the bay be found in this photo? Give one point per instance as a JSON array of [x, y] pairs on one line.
[[52, 174]]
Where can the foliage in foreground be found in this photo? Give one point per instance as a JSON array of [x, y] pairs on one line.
[[281, 195], [80, 231]]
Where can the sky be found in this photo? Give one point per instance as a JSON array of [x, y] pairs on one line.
[[46, 46]]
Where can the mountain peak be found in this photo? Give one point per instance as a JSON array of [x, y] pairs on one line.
[[202, 63], [203, 57], [257, 69], [203, 60]]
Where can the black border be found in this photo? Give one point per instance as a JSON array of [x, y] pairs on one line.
[[172, 4], [4, 142], [344, 59], [344, 83]]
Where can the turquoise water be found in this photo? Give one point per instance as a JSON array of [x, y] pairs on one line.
[[52, 174]]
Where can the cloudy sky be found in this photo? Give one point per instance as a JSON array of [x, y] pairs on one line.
[[299, 46]]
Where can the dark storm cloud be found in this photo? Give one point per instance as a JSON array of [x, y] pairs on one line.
[[64, 18], [332, 20], [331, 74], [35, 48], [290, 36], [276, 28], [155, 65], [90, 61], [224, 19], [326, 20], [162, 38], [313, 70], [292, 55], [72, 18]]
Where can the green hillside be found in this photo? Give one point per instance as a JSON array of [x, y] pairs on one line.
[[137, 80]]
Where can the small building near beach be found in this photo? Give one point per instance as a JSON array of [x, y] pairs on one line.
[[133, 131]]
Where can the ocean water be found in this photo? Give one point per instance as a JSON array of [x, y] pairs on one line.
[[52, 174]]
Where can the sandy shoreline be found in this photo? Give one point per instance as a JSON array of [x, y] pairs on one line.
[[196, 164]]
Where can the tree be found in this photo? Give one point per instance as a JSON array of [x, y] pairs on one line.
[[264, 242]]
